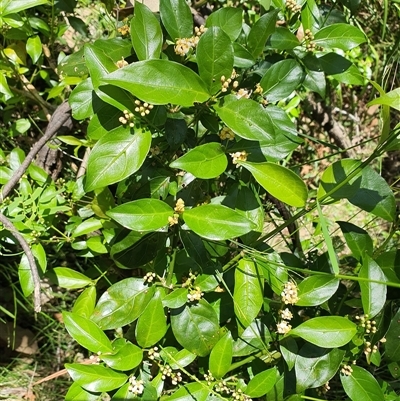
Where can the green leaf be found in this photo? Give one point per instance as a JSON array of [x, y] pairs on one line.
[[229, 19], [221, 356], [85, 303], [177, 359], [391, 99], [86, 333], [5, 89], [116, 156], [190, 392], [333, 63], [373, 295], [87, 227], [106, 119], [122, 303], [95, 377], [281, 79], [316, 82], [176, 298], [196, 327], [142, 214], [125, 356], [341, 36], [15, 6], [261, 383], [34, 48], [214, 56], [160, 82], [261, 31], [356, 238], [242, 57], [254, 339], [151, 325], [217, 222], [283, 39], [316, 366], [71, 279], [315, 290], [176, 18], [80, 100], [365, 189], [248, 293], [280, 182], [392, 345], [362, 386], [247, 119], [204, 161], [24, 270], [146, 34], [326, 331], [77, 393]]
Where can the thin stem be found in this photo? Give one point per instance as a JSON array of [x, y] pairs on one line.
[[171, 268]]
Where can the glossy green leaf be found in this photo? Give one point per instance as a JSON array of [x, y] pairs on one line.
[[77, 393], [341, 36], [8, 7], [229, 19], [283, 39], [5, 89], [142, 214], [177, 359], [248, 292], [95, 377], [214, 56], [122, 303], [366, 189], [87, 227], [242, 58], [326, 331], [316, 366], [221, 356], [116, 156], [24, 270], [151, 325], [146, 33], [281, 79], [190, 392], [373, 295], [261, 31], [71, 279], [392, 345], [261, 383], [356, 238], [254, 339], [280, 182], [85, 303], [176, 298], [176, 18], [332, 63], [34, 48], [160, 82], [362, 386], [125, 356], [124, 393], [204, 161], [289, 350], [316, 82], [391, 99], [195, 327], [106, 119], [217, 222], [247, 119], [315, 290], [80, 100], [86, 333]]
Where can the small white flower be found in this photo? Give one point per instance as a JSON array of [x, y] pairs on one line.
[[283, 327], [286, 314]]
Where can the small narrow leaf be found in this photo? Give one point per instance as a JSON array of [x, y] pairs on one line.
[[221, 356]]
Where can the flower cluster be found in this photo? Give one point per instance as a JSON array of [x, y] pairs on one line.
[[121, 63], [286, 314], [243, 93], [209, 378], [153, 353], [190, 280], [368, 350], [180, 206], [369, 325], [127, 118], [195, 294], [184, 45], [225, 82], [227, 133], [239, 157], [149, 277], [309, 38], [293, 6], [155, 151], [136, 386], [289, 293], [143, 108], [347, 370], [124, 30], [283, 327], [222, 387], [259, 90], [323, 389], [172, 220], [238, 395], [166, 371]]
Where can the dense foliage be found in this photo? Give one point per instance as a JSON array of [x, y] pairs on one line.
[[188, 143]]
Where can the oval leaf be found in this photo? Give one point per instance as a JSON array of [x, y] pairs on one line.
[[85, 303], [261, 383], [326, 331], [191, 392], [341, 36], [221, 356], [71, 279], [217, 222], [142, 214], [280, 182], [204, 161], [86, 333], [176, 18], [229, 19], [160, 82], [126, 356], [316, 290]]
